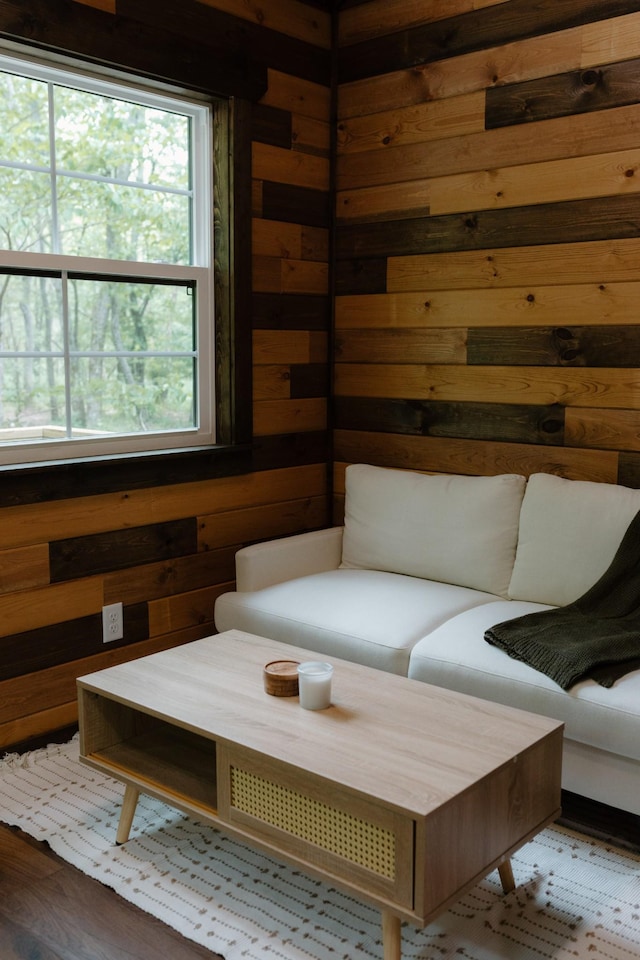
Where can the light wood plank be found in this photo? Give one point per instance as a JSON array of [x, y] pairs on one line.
[[603, 429], [274, 238], [272, 417], [390, 202], [274, 275], [272, 382], [24, 568], [603, 175], [290, 166], [535, 306], [289, 346], [610, 40], [474, 457], [553, 181], [38, 724], [310, 135], [287, 16], [601, 261], [301, 97], [195, 608], [55, 603], [408, 345], [582, 134], [418, 123], [569, 386]]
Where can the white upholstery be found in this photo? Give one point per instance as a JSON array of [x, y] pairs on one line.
[[460, 530], [367, 616], [395, 590], [569, 533], [457, 657], [263, 564]]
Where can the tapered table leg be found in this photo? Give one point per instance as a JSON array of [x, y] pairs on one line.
[[129, 804], [506, 876], [391, 936]]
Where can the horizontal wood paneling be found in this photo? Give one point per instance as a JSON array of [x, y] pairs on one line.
[[500, 306], [474, 457], [161, 536], [488, 238], [476, 30], [575, 48]]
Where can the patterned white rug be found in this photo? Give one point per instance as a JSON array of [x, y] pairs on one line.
[[575, 897]]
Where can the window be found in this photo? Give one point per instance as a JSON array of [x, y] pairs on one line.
[[106, 277]]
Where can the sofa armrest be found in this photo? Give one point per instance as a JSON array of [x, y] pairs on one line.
[[263, 564]]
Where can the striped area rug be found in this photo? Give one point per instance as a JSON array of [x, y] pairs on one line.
[[575, 897]]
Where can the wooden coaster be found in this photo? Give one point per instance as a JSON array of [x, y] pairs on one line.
[[281, 678]]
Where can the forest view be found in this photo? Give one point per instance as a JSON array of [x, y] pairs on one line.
[[91, 188]]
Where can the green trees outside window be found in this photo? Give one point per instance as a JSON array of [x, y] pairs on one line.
[[105, 267]]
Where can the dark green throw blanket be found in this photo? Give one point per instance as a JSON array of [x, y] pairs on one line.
[[597, 637]]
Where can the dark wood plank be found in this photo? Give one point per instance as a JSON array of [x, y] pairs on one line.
[[146, 47], [58, 643], [309, 380], [240, 38], [629, 470], [610, 346], [355, 275], [117, 549], [520, 423], [287, 311], [50, 481], [580, 91], [601, 218], [271, 125], [167, 578], [283, 201], [290, 450], [237, 425], [477, 30]]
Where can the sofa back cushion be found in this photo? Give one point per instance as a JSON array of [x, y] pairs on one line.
[[454, 529], [569, 533]]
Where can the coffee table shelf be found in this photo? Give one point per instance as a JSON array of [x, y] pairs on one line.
[[155, 755]]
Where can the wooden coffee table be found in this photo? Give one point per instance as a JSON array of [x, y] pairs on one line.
[[402, 793]]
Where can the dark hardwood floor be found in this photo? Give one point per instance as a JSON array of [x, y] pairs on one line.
[[51, 911]]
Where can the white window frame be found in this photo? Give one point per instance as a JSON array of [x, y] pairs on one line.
[[200, 272]]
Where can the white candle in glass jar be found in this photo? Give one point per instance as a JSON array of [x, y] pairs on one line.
[[314, 684]]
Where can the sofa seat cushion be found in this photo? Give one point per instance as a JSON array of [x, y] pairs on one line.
[[455, 529], [456, 656], [366, 616]]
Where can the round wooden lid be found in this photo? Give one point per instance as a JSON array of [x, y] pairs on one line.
[[281, 678]]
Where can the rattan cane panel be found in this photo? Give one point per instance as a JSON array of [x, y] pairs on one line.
[[358, 841]]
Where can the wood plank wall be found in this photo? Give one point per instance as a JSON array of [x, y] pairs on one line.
[[488, 238], [166, 549]]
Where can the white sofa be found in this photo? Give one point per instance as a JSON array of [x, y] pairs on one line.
[[424, 565]]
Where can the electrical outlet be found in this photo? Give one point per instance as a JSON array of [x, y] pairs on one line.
[[112, 622]]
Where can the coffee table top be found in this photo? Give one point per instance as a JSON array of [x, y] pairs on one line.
[[410, 745]]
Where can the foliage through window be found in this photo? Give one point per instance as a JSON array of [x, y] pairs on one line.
[[105, 267]]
